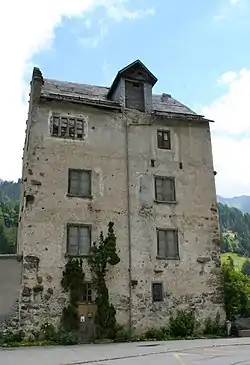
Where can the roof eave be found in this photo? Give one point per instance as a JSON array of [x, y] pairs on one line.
[[182, 116], [79, 100]]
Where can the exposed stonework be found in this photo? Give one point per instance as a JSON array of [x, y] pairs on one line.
[[118, 141]]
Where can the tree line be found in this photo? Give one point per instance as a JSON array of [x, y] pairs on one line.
[[9, 209], [235, 230]]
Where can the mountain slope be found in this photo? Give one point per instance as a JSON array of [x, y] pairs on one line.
[[240, 202], [9, 191]]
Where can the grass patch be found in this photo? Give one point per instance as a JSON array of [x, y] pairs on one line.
[[238, 260]]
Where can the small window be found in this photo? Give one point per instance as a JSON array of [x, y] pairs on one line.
[[164, 189], [78, 239], [79, 183], [157, 292], [163, 140], [67, 127], [87, 293], [167, 244]]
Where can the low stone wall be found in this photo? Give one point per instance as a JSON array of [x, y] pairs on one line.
[[10, 284]]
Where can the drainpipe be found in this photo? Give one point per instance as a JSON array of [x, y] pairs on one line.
[[129, 225]]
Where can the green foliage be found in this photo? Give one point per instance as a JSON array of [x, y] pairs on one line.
[[182, 324], [122, 334], [8, 227], [101, 255], [235, 230], [10, 338], [9, 211], [213, 327], [158, 334], [9, 191], [236, 291], [72, 281], [46, 335], [246, 268], [59, 336]]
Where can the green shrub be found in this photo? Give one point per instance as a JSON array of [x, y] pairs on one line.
[[48, 332], [11, 337], [122, 334], [214, 327], [236, 291], [182, 324], [66, 338], [158, 334]]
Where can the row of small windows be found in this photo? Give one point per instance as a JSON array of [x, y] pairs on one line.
[[79, 241], [73, 128], [80, 186]]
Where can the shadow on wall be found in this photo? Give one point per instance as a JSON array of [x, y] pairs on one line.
[[10, 281]]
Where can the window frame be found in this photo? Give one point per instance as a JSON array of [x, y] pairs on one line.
[[68, 118], [70, 170], [78, 225], [160, 141], [172, 178], [85, 295], [162, 291], [176, 234]]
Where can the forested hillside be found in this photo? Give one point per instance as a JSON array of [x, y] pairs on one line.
[[9, 207], [235, 230], [241, 202]]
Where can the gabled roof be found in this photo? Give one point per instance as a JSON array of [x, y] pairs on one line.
[[136, 64]]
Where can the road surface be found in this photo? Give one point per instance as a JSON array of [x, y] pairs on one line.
[[198, 352]]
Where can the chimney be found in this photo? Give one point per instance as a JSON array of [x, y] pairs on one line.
[[165, 97]]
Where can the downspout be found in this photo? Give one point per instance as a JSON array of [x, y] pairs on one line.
[[129, 226]]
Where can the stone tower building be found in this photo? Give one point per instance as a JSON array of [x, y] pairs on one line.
[[94, 154]]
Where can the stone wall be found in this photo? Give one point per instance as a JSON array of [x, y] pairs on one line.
[[193, 280]]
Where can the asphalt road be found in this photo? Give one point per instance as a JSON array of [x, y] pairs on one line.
[[204, 352]]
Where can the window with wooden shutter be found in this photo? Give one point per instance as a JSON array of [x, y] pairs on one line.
[[134, 95], [167, 244], [164, 189], [163, 139], [79, 183], [67, 127], [157, 292], [78, 239]]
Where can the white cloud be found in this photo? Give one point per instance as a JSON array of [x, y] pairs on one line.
[[230, 134], [118, 12], [227, 9], [227, 77], [27, 27]]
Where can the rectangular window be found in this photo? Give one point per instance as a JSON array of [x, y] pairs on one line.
[[134, 95], [88, 293], [167, 244], [163, 139], [67, 127], [79, 183], [78, 239], [157, 292], [165, 189]]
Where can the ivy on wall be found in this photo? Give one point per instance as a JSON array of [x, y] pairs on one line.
[[102, 254]]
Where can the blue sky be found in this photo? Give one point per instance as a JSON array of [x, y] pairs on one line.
[[197, 49]]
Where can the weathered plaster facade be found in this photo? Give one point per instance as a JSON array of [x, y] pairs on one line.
[[120, 148]]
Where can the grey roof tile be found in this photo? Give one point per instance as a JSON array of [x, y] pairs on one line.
[[99, 93]]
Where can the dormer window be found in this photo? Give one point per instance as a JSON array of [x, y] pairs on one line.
[[134, 95]]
